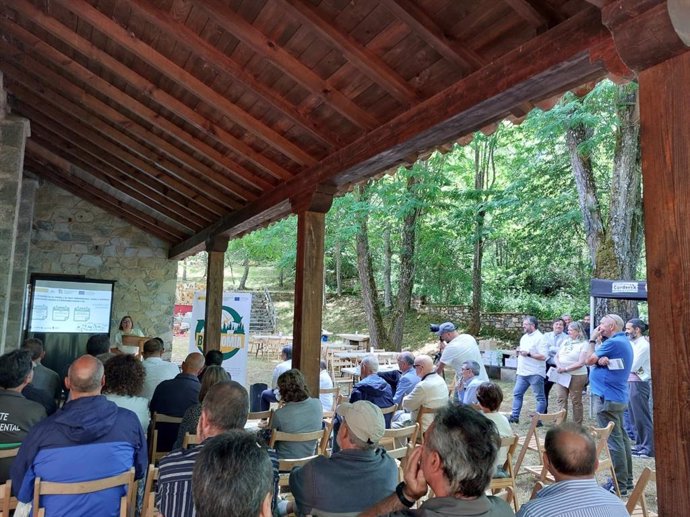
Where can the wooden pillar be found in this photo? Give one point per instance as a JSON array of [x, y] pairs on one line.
[[216, 247], [665, 136], [311, 228]]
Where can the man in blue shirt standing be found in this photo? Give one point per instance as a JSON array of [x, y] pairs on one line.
[[608, 379]]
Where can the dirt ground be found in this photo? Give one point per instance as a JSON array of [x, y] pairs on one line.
[[260, 370]]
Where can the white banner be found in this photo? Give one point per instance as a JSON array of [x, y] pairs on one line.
[[234, 331]]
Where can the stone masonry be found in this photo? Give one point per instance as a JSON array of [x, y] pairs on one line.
[[72, 236]]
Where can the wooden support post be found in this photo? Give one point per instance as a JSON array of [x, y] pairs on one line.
[[665, 135], [311, 228], [215, 247]]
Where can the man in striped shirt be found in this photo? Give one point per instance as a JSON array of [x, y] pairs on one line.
[[570, 456], [224, 408]]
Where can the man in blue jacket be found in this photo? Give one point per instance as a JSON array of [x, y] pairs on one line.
[[89, 438]]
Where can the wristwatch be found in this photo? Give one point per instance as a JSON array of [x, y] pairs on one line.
[[401, 495]]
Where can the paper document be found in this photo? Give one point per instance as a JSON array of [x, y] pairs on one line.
[[616, 364], [560, 378]]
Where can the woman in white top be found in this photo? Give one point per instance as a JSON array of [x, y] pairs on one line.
[[570, 360], [490, 397], [126, 328], [124, 378]]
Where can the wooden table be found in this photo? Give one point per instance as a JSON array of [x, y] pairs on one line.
[[361, 341]]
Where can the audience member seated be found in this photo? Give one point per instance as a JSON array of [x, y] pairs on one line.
[[126, 328], [351, 480], [466, 388], [124, 377], [489, 398], [431, 391], [570, 456], [325, 383], [98, 346], [224, 409], [371, 387], [44, 378], [299, 414], [457, 463], [89, 438], [212, 358], [271, 395], [157, 370], [232, 478], [408, 377], [214, 375], [174, 396], [19, 415]]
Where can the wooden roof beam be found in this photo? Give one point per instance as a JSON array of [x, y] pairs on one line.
[[358, 55], [554, 61], [201, 199], [85, 190], [224, 64], [177, 74], [207, 127], [234, 24], [81, 97], [534, 13], [46, 139], [457, 52]]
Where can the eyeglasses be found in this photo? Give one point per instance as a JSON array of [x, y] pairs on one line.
[[417, 365]]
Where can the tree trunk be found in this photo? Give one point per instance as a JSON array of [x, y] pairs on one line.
[[377, 331], [281, 277], [338, 266], [614, 248], [245, 274], [406, 277], [387, 257]]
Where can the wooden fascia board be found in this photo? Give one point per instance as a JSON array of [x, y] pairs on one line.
[[552, 62]]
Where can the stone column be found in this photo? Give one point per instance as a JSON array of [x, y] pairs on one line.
[[13, 134]]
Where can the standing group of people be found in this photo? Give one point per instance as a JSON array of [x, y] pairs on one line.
[[618, 359]]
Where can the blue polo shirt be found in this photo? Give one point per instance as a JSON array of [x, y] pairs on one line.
[[613, 384]]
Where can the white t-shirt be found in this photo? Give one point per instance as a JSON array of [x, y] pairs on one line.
[[157, 371], [460, 349], [569, 354], [325, 383], [504, 429], [536, 344]]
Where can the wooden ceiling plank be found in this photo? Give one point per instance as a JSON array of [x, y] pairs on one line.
[[456, 52], [79, 96], [84, 190], [200, 47], [184, 79], [65, 63], [360, 56], [280, 58], [528, 12], [202, 200], [43, 141], [554, 61], [159, 96], [56, 143], [52, 104]]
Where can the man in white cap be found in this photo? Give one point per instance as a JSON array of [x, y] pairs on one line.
[[353, 479], [460, 348]]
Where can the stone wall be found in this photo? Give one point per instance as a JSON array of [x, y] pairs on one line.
[[72, 236], [509, 322]]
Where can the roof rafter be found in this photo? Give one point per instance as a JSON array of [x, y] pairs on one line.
[[282, 59], [160, 97], [184, 79]]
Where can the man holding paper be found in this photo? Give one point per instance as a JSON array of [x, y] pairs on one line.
[[608, 378]]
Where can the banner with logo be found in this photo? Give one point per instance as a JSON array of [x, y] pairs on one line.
[[234, 331]]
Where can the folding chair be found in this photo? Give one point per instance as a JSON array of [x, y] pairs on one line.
[[533, 442], [315, 436], [637, 505], [8, 502], [147, 509], [345, 382], [126, 479], [511, 443], [189, 439], [335, 391], [399, 443], [285, 467], [424, 410], [160, 418], [601, 436]]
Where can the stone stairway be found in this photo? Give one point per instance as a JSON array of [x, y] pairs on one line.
[[262, 319]]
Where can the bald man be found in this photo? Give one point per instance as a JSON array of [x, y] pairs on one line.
[[570, 456], [431, 391], [89, 438], [174, 396]]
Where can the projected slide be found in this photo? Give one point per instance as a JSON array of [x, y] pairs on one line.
[[71, 307]]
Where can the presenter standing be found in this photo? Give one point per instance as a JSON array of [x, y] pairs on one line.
[[126, 329]]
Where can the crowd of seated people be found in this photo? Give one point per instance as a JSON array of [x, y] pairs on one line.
[[231, 471]]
